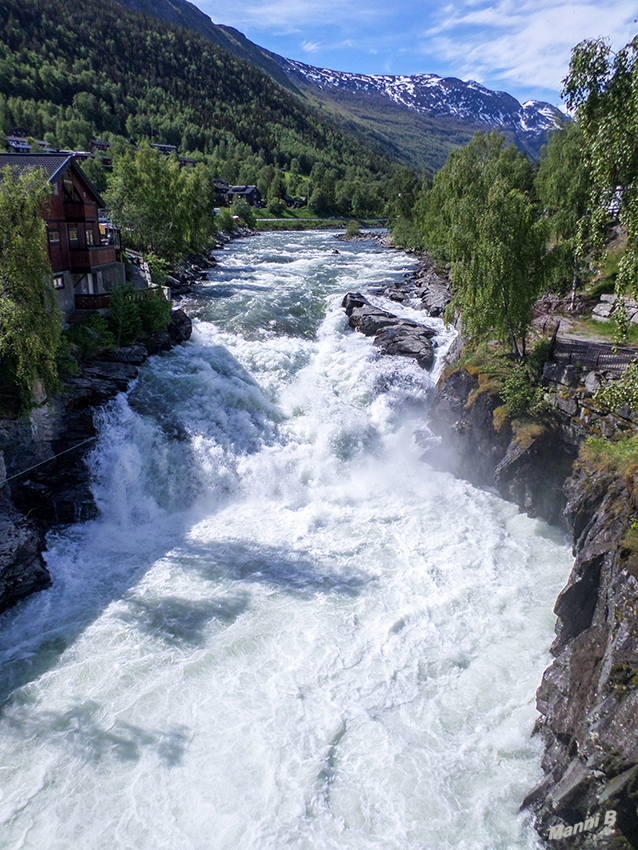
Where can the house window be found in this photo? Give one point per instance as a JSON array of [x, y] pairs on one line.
[[54, 237], [90, 238], [58, 281], [73, 237]]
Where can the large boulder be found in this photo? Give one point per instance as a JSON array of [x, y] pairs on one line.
[[407, 341]]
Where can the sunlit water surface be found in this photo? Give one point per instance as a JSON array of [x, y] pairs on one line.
[[285, 630]]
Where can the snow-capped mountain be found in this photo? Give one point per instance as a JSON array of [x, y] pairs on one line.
[[418, 119], [428, 94]]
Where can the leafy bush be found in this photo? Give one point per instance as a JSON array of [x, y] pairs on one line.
[[622, 392], [154, 311], [520, 392], [90, 335], [158, 268], [352, 228], [277, 207], [225, 221], [124, 316], [244, 211]]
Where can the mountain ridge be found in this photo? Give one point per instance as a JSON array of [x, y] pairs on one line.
[[392, 111]]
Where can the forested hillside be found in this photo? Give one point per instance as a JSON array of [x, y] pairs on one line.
[[71, 71]]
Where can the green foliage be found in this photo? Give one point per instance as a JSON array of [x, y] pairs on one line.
[[564, 185], [352, 228], [277, 207], [96, 172], [522, 396], [407, 234], [158, 268], [244, 211], [160, 206], [621, 455], [522, 391], [124, 319], [90, 336], [30, 323], [481, 214], [602, 87], [620, 393], [154, 311], [224, 221]]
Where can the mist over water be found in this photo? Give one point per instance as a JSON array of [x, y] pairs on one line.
[[285, 630]]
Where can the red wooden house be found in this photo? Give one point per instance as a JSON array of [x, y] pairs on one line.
[[86, 258]]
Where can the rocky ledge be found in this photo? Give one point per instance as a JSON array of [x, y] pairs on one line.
[[44, 480], [588, 699]]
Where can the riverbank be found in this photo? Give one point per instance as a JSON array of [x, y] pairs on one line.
[[44, 480], [588, 699]]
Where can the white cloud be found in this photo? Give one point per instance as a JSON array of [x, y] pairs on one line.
[[523, 43], [288, 16], [310, 46]]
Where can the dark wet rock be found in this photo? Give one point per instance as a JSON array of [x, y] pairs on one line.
[[133, 354], [22, 567], [407, 341], [180, 327], [392, 334], [370, 320]]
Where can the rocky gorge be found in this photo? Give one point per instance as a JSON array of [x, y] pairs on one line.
[[588, 697]]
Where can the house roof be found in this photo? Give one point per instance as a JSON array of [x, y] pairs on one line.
[[53, 165], [242, 190]]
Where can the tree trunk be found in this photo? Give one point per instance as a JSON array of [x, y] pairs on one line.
[[574, 281]]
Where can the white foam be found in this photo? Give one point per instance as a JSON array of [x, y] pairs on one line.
[[286, 630]]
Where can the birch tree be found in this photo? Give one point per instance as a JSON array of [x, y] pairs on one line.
[[482, 213], [30, 323]]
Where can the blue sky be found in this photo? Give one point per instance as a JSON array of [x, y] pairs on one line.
[[522, 47]]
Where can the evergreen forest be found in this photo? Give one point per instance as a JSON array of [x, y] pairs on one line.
[[71, 72]]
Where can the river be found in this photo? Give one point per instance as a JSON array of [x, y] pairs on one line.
[[285, 630]]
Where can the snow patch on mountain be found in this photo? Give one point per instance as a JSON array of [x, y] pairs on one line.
[[429, 94]]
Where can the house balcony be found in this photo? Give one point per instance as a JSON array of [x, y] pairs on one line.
[[92, 302], [87, 259]]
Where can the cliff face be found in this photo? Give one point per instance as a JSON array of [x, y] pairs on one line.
[[44, 480], [588, 699], [527, 467]]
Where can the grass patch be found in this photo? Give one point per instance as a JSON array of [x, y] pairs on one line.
[[615, 456], [609, 330], [527, 430]]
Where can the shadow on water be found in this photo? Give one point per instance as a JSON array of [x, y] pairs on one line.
[[279, 569], [228, 566], [182, 622], [82, 735]]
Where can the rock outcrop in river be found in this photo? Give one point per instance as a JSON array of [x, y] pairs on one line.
[[392, 335], [588, 699]]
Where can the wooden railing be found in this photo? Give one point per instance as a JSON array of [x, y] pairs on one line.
[[92, 302]]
